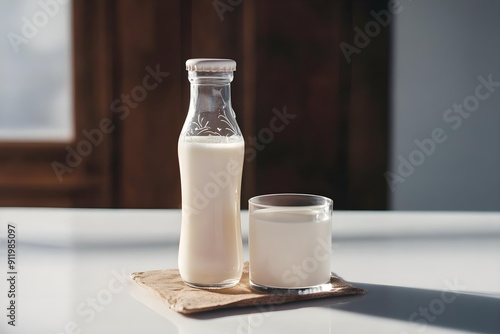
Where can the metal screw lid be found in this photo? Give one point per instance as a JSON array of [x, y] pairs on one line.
[[210, 65]]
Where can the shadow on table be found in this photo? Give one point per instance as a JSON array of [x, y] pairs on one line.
[[422, 308], [418, 308]]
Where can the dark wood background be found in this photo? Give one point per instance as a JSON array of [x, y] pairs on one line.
[[288, 56]]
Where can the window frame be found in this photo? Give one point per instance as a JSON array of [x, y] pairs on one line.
[[27, 176]]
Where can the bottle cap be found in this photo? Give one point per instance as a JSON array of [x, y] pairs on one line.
[[210, 65]]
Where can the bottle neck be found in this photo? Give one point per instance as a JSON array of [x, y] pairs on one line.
[[210, 111], [210, 91]]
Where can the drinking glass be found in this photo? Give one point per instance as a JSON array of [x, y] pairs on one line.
[[290, 243]]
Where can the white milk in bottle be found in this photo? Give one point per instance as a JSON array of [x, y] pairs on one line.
[[211, 152]]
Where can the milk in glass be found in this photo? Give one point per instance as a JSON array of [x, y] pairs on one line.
[[290, 247]]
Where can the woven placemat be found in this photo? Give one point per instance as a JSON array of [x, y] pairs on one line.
[[168, 285]]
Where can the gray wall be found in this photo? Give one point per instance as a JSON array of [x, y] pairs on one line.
[[441, 47]]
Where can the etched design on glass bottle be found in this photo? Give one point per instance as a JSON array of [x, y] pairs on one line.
[[223, 125], [201, 127]]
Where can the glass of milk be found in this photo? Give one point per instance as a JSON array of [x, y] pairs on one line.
[[290, 243]]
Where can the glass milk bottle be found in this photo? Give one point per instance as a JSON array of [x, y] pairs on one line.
[[211, 151]]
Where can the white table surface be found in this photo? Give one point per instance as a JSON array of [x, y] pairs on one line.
[[424, 273]]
